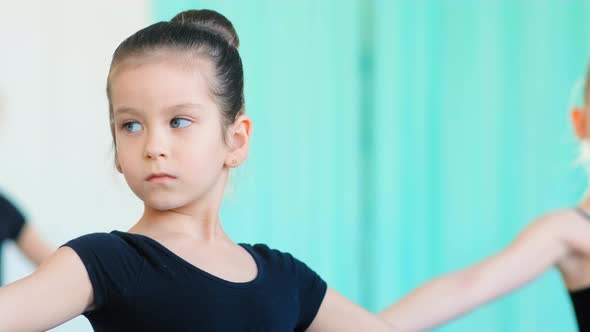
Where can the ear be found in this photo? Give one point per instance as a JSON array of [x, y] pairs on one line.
[[238, 141], [578, 118]]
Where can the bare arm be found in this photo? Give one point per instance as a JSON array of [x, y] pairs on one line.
[[57, 292], [540, 246], [338, 314], [33, 245]]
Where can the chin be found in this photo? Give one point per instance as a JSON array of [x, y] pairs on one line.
[[160, 203], [162, 206]]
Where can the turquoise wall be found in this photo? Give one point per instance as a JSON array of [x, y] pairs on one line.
[[398, 140]]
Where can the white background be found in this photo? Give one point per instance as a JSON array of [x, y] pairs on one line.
[[55, 146]]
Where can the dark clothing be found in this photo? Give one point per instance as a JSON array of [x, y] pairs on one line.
[[581, 297], [11, 220], [140, 285]]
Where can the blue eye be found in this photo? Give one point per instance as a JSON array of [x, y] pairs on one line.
[[179, 123], [132, 126]]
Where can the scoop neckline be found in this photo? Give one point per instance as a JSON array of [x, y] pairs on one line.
[[182, 261]]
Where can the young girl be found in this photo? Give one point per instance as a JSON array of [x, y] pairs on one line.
[[560, 239], [13, 226], [177, 117]]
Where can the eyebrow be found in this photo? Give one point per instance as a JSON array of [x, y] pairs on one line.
[[184, 106], [124, 110], [177, 107]]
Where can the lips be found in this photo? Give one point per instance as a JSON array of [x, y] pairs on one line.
[[159, 177]]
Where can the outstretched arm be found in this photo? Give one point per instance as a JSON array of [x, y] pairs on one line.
[[32, 245], [338, 314], [57, 292], [540, 246]]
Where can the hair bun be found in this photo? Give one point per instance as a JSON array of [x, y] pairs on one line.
[[211, 21]]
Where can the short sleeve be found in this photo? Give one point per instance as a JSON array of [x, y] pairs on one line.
[[12, 220], [112, 266], [311, 289]]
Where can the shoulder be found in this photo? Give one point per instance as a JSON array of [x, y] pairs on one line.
[[111, 261], [96, 240], [12, 219], [569, 224], [567, 228], [270, 255], [283, 262], [8, 207], [264, 250], [556, 222], [560, 215], [307, 287], [4, 200], [103, 248]]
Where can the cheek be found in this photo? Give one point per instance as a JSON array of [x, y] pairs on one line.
[[205, 151], [125, 153]]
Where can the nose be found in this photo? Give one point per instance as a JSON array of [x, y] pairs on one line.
[[155, 146]]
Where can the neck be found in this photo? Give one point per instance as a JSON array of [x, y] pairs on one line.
[[198, 219], [200, 226]]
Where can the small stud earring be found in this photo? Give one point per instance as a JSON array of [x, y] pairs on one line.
[[234, 162]]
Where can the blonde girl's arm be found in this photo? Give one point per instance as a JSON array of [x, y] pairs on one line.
[[540, 246]]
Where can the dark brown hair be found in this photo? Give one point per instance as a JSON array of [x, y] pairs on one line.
[[198, 33]]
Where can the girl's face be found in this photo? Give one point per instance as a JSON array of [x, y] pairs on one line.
[[168, 133]]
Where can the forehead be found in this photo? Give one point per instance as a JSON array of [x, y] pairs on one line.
[[161, 80]]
